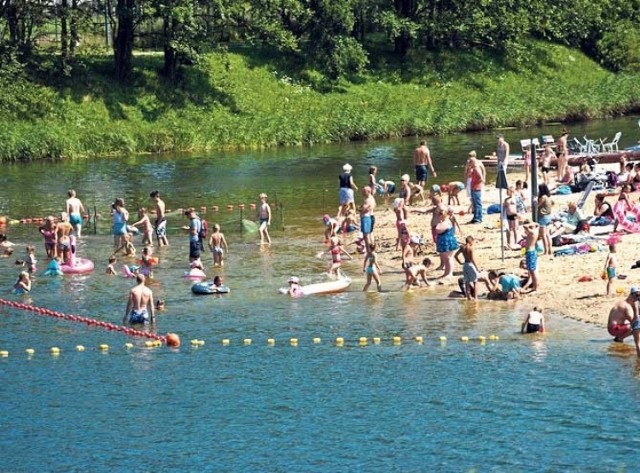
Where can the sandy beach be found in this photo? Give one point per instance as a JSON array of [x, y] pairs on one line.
[[559, 288]]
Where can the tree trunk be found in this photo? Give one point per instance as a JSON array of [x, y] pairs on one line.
[[64, 32], [123, 44], [75, 38]]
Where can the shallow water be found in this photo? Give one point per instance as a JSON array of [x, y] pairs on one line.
[[559, 402]]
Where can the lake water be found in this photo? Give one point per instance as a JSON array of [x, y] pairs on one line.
[[564, 401]]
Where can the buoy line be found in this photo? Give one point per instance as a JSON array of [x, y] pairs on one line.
[[171, 339]]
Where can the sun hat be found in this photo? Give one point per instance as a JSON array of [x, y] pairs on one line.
[[405, 177], [347, 167]]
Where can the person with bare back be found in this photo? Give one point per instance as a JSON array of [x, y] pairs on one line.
[[75, 210], [140, 307], [161, 219], [422, 160], [218, 246]]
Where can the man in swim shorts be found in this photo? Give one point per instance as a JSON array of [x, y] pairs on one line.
[[469, 268], [161, 220], [532, 230], [217, 245], [367, 219], [422, 159], [75, 209], [140, 307], [622, 317], [195, 224]]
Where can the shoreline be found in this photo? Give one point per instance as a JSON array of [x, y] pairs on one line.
[[559, 289]]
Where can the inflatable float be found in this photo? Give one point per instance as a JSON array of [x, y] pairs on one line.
[[621, 214], [328, 287], [195, 273], [77, 266], [207, 287]]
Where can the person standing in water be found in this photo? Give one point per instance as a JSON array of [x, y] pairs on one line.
[[161, 220], [75, 210], [140, 307], [264, 217], [502, 153], [422, 160]]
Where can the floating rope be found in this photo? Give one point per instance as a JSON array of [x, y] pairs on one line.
[[170, 339]]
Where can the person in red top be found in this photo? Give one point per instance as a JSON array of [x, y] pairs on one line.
[[477, 186]]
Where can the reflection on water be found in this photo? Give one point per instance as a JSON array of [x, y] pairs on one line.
[[548, 402]]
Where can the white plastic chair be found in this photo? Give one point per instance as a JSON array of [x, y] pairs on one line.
[[613, 144]]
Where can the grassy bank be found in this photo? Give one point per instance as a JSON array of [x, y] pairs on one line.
[[243, 99]]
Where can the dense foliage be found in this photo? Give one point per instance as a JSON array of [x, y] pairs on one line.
[[334, 37]]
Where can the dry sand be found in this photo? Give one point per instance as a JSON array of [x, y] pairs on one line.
[[559, 289]]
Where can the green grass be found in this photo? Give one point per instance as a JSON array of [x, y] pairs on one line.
[[248, 99]]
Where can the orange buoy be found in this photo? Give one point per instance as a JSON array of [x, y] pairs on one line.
[[214, 208], [252, 206], [173, 340], [229, 207], [241, 206]]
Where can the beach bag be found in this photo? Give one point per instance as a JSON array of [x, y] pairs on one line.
[[493, 209], [563, 190]]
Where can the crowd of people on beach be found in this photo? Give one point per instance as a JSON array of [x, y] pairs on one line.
[[356, 225]]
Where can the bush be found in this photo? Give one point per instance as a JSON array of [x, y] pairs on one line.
[[619, 48]]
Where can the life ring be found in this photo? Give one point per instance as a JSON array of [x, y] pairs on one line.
[[207, 287], [80, 266], [621, 214]]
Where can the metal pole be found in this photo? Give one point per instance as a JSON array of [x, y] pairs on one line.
[[501, 223], [534, 182]]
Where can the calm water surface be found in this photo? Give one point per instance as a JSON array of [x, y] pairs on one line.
[[562, 402]]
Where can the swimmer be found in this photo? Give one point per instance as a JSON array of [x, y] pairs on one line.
[[127, 246], [295, 289], [111, 271], [336, 250], [218, 246], [415, 271], [146, 265], [623, 318], [533, 322], [63, 233], [54, 268], [264, 216], [50, 233], [140, 307], [75, 210], [161, 220], [145, 223], [30, 260], [160, 304], [6, 247], [196, 270], [371, 267], [23, 284]]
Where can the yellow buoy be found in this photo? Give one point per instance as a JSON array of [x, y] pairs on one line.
[[443, 338], [271, 341], [78, 348], [4, 353], [363, 341], [157, 343], [104, 347], [294, 342], [376, 340], [225, 342], [317, 340], [482, 338], [494, 337], [128, 345], [464, 339], [419, 339], [247, 341], [339, 341], [200, 343], [148, 344], [194, 342], [55, 350], [29, 351], [397, 340]]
